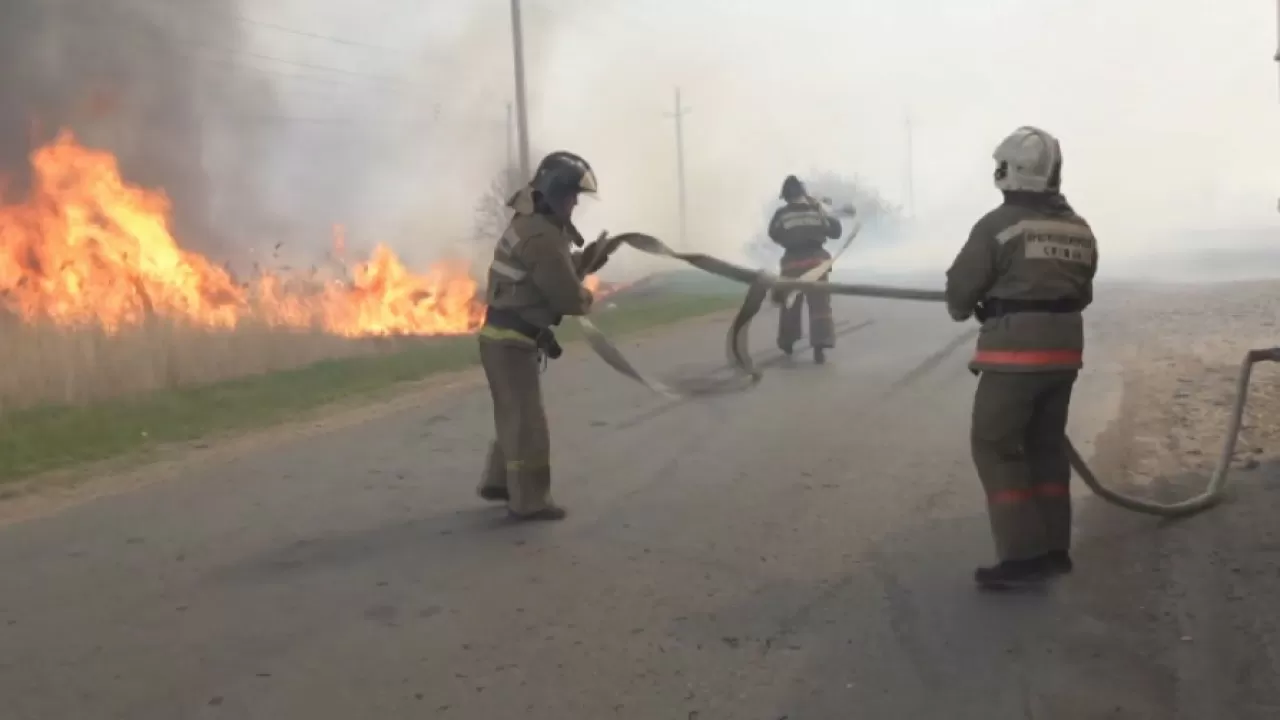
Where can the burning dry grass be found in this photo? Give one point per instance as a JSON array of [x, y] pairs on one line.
[[44, 364], [86, 247], [115, 336]]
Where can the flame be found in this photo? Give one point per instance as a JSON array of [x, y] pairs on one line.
[[88, 248], [603, 290]]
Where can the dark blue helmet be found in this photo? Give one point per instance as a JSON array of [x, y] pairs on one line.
[[561, 174], [792, 189]]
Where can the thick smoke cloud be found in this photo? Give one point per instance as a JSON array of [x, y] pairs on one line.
[[399, 134], [157, 84]]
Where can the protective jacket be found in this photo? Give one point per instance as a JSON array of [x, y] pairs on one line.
[[802, 228], [1027, 273], [533, 280]]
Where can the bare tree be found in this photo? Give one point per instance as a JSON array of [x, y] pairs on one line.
[[491, 211]]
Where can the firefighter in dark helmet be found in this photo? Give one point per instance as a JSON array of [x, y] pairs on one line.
[[802, 227], [534, 280], [1026, 273]]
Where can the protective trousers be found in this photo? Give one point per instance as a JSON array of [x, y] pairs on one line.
[[822, 330], [1019, 449], [520, 458]]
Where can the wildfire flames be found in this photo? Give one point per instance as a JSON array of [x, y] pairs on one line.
[[87, 248]]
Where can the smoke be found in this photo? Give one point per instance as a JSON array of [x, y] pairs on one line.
[[155, 85], [394, 121], [1156, 141]]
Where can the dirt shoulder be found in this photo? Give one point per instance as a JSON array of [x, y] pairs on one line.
[[1199, 593]]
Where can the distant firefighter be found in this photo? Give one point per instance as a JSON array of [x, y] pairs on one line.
[[802, 227]]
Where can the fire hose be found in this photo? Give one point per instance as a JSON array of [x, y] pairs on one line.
[[760, 283]]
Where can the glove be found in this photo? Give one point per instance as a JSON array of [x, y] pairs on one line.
[[959, 315], [596, 254], [547, 343], [597, 258]]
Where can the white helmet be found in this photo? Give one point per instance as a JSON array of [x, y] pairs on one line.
[[1029, 160]]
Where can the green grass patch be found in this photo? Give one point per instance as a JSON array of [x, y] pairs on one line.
[[50, 438]]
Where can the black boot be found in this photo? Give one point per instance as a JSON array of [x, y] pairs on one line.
[[550, 513], [820, 356], [1059, 562], [494, 494], [1011, 574]]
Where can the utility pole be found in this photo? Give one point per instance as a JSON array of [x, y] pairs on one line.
[[522, 116], [911, 168], [1276, 57], [511, 136], [680, 112]]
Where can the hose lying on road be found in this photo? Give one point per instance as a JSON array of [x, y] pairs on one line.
[[1214, 493], [739, 356], [759, 285]]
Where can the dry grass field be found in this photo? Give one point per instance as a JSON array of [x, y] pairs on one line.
[[71, 396], [51, 365]]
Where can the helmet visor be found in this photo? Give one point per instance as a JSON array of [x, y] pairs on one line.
[[588, 182]]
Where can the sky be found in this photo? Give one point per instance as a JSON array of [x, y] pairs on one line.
[[1166, 110]]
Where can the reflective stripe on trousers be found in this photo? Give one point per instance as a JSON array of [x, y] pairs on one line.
[[801, 265], [1012, 497], [1029, 358], [1019, 450], [497, 333]]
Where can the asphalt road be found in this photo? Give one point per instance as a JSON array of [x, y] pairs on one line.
[[800, 551]]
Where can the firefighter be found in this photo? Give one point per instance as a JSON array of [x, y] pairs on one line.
[[534, 280], [802, 227], [1026, 273]]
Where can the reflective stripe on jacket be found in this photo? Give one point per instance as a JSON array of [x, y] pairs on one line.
[[802, 228], [532, 273]]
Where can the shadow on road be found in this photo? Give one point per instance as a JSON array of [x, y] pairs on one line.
[[1160, 620], [428, 537], [1082, 648]]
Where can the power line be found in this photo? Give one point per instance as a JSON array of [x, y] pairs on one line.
[[225, 62], [169, 30], [295, 63], [370, 121], [95, 56], [279, 28], [352, 120], [286, 119], [316, 36]]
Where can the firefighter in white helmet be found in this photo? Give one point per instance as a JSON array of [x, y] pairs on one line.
[[1026, 273]]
